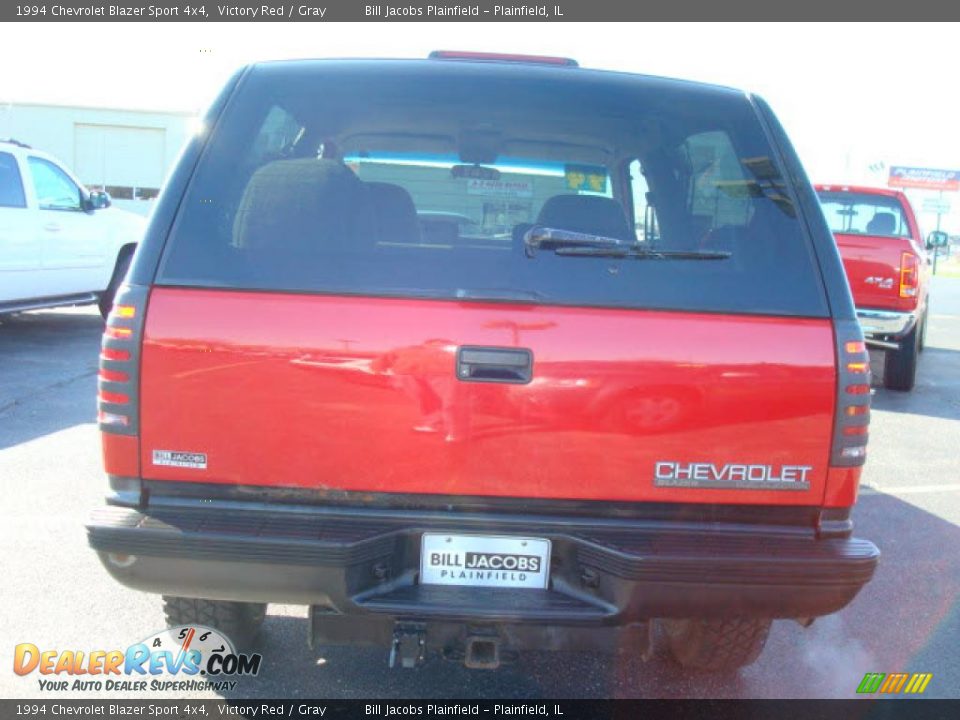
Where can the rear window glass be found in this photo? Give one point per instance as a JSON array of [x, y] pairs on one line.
[[855, 213], [560, 187]]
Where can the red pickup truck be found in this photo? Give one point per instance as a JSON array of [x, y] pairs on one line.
[[885, 258], [628, 394]]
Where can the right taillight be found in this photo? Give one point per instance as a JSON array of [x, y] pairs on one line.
[[118, 380], [853, 397], [909, 275]]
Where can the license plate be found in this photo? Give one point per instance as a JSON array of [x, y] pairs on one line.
[[484, 560]]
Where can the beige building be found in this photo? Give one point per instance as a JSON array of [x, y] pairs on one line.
[[126, 152]]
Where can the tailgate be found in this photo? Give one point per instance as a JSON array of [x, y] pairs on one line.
[[872, 264], [362, 394]]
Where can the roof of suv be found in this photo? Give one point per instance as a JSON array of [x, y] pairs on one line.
[[20, 149], [489, 67], [14, 142]]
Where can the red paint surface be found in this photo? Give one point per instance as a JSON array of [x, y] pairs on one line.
[[360, 394], [843, 485], [121, 454]]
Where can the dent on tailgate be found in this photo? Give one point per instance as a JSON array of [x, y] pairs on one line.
[[352, 393]]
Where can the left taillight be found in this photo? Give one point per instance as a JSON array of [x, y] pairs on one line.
[[909, 275], [853, 397], [118, 383]]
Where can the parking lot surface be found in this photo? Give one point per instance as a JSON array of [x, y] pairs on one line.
[[55, 594]]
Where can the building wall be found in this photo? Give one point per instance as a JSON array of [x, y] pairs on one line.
[[127, 152]]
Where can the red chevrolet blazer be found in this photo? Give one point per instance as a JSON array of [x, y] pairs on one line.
[[885, 258], [625, 401]]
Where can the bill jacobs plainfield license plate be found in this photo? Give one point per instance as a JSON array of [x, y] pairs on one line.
[[489, 561]]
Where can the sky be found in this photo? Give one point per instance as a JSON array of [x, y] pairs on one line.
[[851, 96]]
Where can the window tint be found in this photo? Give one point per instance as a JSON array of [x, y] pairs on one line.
[[54, 188], [864, 214], [424, 183], [11, 186]]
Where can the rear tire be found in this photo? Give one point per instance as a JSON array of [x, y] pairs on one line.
[[900, 366], [239, 621], [716, 645], [119, 273]]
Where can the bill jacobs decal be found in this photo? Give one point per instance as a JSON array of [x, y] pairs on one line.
[[707, 475], [174, 458]]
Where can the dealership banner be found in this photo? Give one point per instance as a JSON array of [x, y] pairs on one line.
[[467, 11], [924, 178], [375, 709]]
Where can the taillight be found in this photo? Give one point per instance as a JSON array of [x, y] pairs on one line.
[[909, 275], [118, 380], [853, 397]]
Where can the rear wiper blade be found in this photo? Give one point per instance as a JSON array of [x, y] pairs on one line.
[[575, 244], [633, 251], [546, 238]]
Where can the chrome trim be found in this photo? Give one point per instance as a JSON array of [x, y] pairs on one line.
[[883, 344], [885, 322]]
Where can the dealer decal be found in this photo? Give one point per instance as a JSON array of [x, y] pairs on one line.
[[744, 477], [176, 458]]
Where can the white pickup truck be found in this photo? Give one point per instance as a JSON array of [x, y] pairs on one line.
[[60, 244]]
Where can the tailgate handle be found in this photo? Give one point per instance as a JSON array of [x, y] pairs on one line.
[[493, 364]]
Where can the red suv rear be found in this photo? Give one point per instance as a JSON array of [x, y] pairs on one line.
[[623, 386]]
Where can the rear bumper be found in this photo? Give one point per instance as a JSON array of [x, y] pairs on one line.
[[364, 562], [885, 327]]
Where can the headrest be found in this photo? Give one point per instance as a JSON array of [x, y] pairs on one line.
[[586, 214], [395, 213], [303, 204], [883, 223]]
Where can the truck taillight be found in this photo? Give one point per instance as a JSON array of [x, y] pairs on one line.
[[118, 380], [853, 397], [909, 275]]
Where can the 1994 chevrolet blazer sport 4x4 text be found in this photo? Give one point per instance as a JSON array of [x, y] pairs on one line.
[[624, 390]]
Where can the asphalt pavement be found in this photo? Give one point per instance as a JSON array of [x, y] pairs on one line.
[[55, 594]]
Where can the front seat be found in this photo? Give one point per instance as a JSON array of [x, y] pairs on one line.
[[591, 214]]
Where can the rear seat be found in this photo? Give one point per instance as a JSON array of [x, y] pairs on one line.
[[301, 206]]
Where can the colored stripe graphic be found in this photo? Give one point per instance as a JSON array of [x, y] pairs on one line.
[[893, 683], [871, 682], [918, 683]]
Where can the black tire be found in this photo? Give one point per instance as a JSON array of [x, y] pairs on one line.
[[900, 366], [119, 273], [239, 621], [716, 645]]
